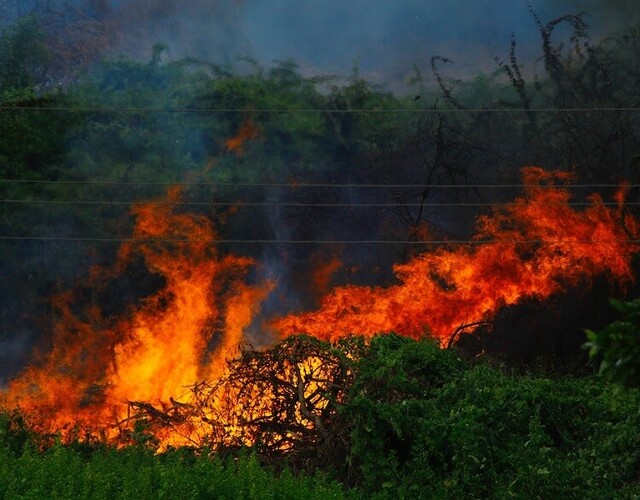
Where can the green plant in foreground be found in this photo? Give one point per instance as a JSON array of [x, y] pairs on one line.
[[417, 423], [618, 345], [62, 472]]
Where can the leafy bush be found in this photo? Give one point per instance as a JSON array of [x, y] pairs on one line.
[[618, 345], [62, 472], [396, 380], [422, 421]]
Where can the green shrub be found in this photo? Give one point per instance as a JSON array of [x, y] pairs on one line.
[[14, 435], [422, 421], [618, 345], [61, 472]]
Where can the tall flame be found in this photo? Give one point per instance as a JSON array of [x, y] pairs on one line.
[[98, 364], [533, 247]]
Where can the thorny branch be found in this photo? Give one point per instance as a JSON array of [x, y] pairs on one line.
[[283, 402]]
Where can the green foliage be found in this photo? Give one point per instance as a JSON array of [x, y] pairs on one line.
[[14, 435], [617, 346], [422, 421], [33, 138], [64, 472], [23, 55], [396, 378], [136, 145]]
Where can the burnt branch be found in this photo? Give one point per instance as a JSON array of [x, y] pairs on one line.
[[447, 92], [462, 328], [283, 402]]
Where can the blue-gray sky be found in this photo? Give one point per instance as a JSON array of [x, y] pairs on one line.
[[385, 38]]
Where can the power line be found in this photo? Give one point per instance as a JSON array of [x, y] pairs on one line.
[[301, 204], [99, 109], [294, 185], [311, 242]]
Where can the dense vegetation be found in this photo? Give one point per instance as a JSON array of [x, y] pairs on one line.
[[423, 421], [415, 420], [79, 472]]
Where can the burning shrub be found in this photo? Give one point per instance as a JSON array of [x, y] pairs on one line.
[[283, 402]]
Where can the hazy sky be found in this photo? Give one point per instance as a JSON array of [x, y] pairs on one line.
[[385, 38]]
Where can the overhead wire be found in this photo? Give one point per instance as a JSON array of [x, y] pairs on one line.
[[295, 185], [298, 185], [313, 242], [266, 204], [100, 109]]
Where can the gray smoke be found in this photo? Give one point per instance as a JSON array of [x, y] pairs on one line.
[[383, 39]]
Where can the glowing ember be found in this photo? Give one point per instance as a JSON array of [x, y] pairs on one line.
[[534, 247]]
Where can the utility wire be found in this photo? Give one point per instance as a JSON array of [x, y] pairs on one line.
[[99, 109], [311, 242], [302, 205], [294, 185]]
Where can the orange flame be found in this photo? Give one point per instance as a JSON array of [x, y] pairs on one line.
[[247, 131], [323, 272], [534, 247], [98, 365]]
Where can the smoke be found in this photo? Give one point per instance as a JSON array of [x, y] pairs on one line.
[[191, 28], [383, 39], [14, 351]]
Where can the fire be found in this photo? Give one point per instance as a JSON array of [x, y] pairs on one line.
[[533, 247], [99, 364], [166, 359], [323, 272], [247, 131]]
